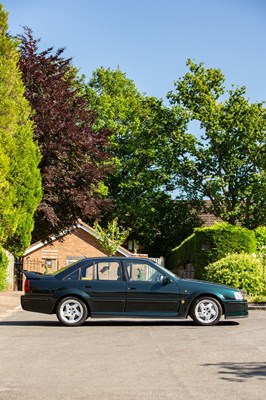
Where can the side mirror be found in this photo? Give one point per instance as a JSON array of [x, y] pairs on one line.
[[166, 280]]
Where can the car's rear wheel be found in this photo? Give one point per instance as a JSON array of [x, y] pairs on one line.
[[71, 311], [206, 311]]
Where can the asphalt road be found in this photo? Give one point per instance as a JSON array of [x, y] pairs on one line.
[[131, 360]]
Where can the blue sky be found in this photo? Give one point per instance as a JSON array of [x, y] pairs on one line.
[[152, 39]]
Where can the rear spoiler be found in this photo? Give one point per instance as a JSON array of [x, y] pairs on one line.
[[32, 275]]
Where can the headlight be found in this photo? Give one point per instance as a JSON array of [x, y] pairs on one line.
[[238, 296]]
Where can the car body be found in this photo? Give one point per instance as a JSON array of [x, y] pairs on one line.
[[128, 287]]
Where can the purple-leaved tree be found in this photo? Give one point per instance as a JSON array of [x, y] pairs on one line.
[[75, 159]]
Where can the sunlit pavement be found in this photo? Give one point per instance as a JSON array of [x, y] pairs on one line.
[[9, 302], [132, 359]]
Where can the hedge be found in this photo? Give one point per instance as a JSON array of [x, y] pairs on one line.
[[3, 269], [260, 234], [207, 245]]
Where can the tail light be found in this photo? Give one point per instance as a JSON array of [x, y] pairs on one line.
[[27, 286]]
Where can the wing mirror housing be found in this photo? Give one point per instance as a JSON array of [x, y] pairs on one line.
[[166, 280]]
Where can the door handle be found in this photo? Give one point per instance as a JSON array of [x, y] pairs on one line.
[[131, 288], [88, 286]]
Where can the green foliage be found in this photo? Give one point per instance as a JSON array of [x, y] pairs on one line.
[[207, 245], [225, 160], [257, 298], [260, 234], [3, 269], [112, 237], [243, 271], [170, 223], [20, 181], [141, 147], [74, 157]]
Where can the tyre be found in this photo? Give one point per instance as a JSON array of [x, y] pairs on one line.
[[71, 311], [206, 311]]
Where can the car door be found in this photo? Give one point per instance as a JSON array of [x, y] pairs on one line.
[[103, 281], [149, 291]]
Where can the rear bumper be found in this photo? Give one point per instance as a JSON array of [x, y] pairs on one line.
[[37, 303], [236, 309]]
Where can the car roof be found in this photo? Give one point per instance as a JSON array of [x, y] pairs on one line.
[[116, 258]]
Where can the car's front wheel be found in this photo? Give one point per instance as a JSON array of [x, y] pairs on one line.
[[71, 311], [206, 311]]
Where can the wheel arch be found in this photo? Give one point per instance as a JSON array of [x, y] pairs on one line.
[[202, 295], [74, 295]]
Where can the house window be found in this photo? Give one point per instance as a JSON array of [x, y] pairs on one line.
[[133, 246], [49, 260], [72, 259]]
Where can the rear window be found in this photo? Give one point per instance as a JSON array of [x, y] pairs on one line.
[[64, 269]]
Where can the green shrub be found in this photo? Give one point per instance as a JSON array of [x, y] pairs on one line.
[[243, 271], [257, 298], [260, 234], [3, 269], [210, 244]]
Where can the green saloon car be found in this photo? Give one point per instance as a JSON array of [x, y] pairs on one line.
[[128, 287]]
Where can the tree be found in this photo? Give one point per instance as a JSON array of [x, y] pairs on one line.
[[20, 180], [112, 237], [226, 161], [74, 157], [141, 146], [172, 223]]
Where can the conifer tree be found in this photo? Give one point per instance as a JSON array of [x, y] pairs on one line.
[[20, 180]]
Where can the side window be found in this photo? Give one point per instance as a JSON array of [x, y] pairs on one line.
[[88, 272], [103, 271], [74, 276], [141, 271], [109, 271]]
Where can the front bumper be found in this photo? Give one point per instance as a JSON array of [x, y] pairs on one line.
[[236, 309]]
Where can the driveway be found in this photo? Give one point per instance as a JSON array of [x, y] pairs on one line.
[[132, 360]]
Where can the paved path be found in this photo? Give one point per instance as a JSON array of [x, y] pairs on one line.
[[9, 303]]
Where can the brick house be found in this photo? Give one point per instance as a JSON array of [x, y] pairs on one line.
[[71, 246]]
